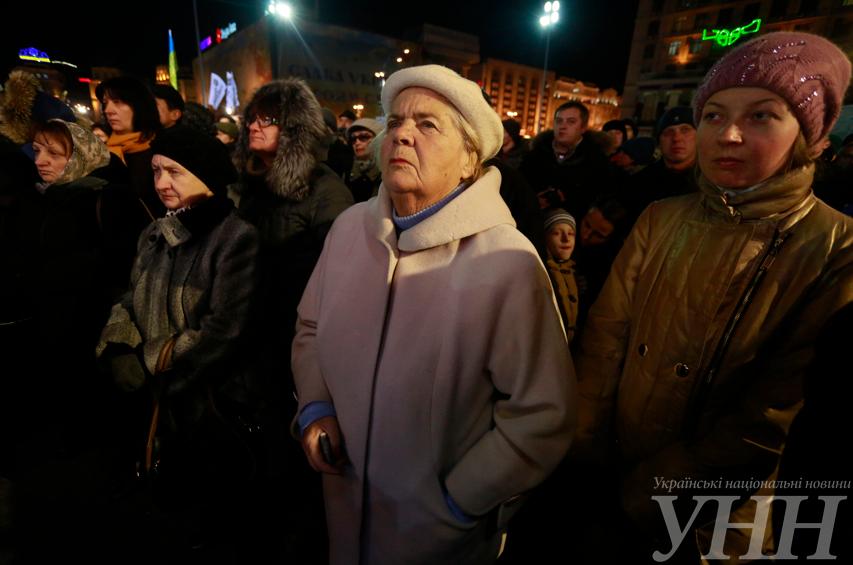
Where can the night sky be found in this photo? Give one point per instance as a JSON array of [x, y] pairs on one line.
[[591, 41]]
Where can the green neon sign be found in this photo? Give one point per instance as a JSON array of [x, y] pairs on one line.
[[725, 37]]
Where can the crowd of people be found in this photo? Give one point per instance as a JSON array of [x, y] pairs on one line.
[[418, 337]]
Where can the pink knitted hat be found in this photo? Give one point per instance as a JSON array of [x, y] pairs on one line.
[[808, 71]]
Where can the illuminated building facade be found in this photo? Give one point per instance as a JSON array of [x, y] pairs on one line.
[[341, 65], [514, 90], [603, 105], [675, 42]]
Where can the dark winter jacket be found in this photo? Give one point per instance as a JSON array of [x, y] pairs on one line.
[[655, 182], [522, 204], [580, 178], [292, 204], [364, 180]]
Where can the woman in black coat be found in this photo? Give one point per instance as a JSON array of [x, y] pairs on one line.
[[131, 111], [179, 336]]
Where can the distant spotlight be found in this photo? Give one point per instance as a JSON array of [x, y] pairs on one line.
[[399, 59], [554, 17], [279, 9], [544, 21], [405, 51], [358, 107], [555, 6], [81, 108]]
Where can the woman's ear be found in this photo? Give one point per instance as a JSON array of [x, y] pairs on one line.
[[470, 166]]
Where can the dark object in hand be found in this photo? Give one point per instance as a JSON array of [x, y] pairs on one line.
[[326, 448]]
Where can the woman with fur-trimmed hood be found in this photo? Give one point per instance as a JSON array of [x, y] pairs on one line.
[[287, 193], [285, 190], [292, 198]]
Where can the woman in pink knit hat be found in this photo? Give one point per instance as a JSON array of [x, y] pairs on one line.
[[698, 343]]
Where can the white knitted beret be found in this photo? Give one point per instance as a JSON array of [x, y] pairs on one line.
[[369, 124], [464, 94]]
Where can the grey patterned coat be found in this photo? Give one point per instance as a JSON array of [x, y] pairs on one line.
[[193, 280]]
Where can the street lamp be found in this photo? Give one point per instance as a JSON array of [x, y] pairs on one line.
[[278, 11], [548, 20], [281, 10]]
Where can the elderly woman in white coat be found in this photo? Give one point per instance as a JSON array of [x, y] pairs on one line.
[[429, 349]]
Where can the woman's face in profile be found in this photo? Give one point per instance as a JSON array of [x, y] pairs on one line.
[[745, 136]]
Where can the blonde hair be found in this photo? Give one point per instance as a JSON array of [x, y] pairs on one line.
[[802, 154]]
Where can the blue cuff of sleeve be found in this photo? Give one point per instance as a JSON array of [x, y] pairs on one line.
[[312, 412], [457, 512]]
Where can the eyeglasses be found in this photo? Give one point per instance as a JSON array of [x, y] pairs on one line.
[[360, 137], [263, 121]]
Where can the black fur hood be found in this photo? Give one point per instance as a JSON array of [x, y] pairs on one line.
[[302, 143]]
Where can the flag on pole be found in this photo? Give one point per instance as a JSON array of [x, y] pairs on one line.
[[173, 63]]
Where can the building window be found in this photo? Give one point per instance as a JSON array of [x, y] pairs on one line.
[[680, 24], [649, 51], [695, 44], [724, 18], [702, 21], [674, 47], [778, 9], [653, 29], [750, 12]]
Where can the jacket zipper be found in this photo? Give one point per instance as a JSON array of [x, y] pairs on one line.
[[695, 411]]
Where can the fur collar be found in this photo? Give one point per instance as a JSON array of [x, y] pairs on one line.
[[17, 106], [301, 143]]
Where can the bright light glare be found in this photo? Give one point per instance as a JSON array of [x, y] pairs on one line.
[[405, 51], [282, 10], [551, 15]]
